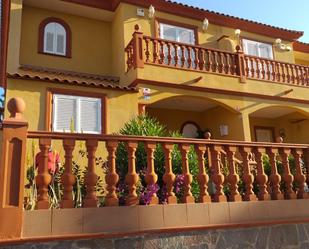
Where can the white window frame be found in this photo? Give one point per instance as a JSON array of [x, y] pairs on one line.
[[258, 46], [56, 29], [178, 29], [77, 122]]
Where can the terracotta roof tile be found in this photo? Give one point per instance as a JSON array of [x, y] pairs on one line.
[[68, 77], [301, 46], [234, 17]]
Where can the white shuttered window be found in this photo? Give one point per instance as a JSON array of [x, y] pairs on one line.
[[76, 113], [55, 39], [259, 49]]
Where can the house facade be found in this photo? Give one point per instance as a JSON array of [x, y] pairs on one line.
[[63, 53], [73, 72]]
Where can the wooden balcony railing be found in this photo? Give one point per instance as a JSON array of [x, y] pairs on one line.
[[144, 49]]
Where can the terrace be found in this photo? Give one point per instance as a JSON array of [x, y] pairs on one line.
[[235, 186], [145, 50]]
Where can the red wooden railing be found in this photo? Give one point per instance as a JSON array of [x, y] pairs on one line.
[[245, 157], [144, 49]]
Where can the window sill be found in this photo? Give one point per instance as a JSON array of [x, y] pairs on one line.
[[57, 55]]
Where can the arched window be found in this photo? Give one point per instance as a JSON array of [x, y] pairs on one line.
[[55, 37]]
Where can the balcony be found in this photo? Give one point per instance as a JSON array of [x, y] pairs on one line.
[[143, 50], [235, 185]]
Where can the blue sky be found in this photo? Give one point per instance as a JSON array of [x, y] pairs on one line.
[[281, 13]]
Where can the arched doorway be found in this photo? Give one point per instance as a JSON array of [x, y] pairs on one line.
[[291, 124], [191, 116]]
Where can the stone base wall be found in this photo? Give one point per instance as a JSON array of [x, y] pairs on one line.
[[288, 236]]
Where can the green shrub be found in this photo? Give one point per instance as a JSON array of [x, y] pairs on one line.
[[145, 125]]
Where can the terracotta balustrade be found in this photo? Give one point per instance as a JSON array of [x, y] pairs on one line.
[[155, 51], [265, 69], [224, 163]]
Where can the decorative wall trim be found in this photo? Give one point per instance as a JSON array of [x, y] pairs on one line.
[[217, 91]]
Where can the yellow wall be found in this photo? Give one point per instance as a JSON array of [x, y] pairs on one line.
[[210, 119], [91, 43], [121, 105], [294, 126]]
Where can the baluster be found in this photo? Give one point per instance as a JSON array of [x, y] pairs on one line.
[[307, 76], [258, 71], [261, 177], [282, 72], [228, 64], [169, 177], [147, 52], [215, 64], [151, 176], [91, 177], [209, 61], [296, 75], [288, 76], [233, 177], [68, 179], [274, 177], [128, 61], [306, 162], [300, 178], [287, 176], [189, 60], [196, 58], [162, 56], [273, 70], [131, 177], [292, 73], [187, 197], [252, 67], [183, 57], [247, 69], [216, 176], [169, 54], [202, 178], [176, 57], [43, 179], [301, 75], [111, 177], [268, 69], [202, 58], [155, 51], [234, 67], [248, 177], [263, 73], [221, 62]]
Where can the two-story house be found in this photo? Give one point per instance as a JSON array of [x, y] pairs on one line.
[[86, 67], [193, 69]]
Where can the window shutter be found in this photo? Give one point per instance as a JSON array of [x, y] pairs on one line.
[[265, 51], [49, 47], [60, 44], [90, 115], [64, 113]]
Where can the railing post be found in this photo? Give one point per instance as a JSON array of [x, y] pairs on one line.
[[138, 48], [12, 172], [240, 65]]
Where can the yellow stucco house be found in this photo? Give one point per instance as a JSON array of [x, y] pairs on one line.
[[102, 63], [86, 67]]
